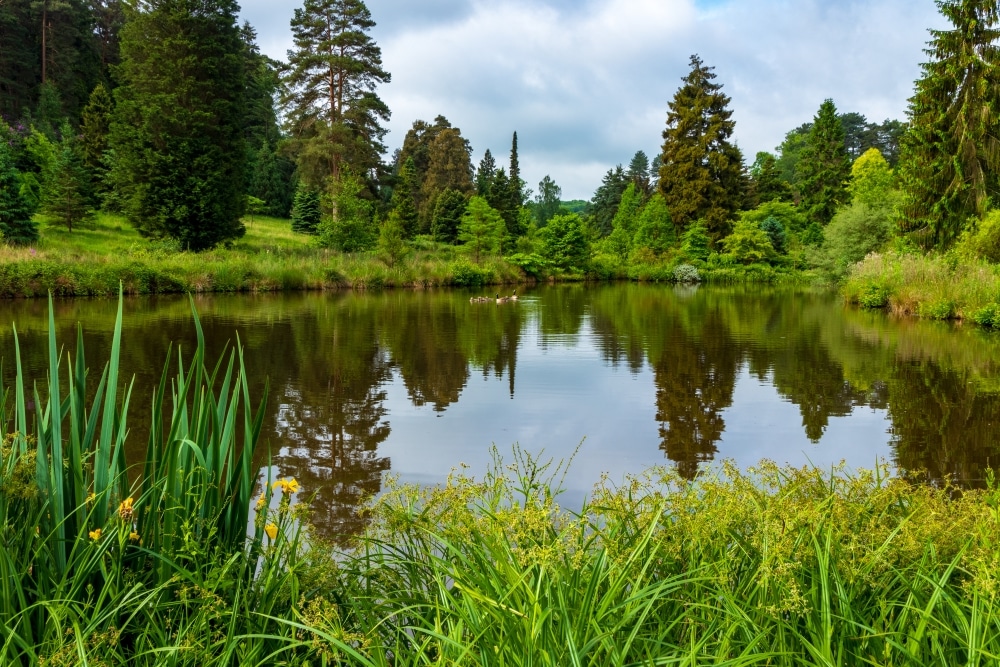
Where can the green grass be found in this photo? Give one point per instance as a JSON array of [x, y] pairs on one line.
[[180, 559], [940, 287]]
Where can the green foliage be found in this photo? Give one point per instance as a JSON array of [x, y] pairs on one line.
[[813, 235], [748, 243], [983, 240], [449, 166], [481, 230], [466, 274], [872, 181], [328, 90], [695, 242], [824, 168], [950, 163], [306, 210], [654, 228], [623, 225], [766, 182], [604, 204], [701, 171], [272, 179], [448, 211], [177, 128], [532, 263], [95, 130], [564, 243], [776, 234], [402, 198], [391, 247], [350, 227], [67, 189], [547, 200], [855, 231], [16, 226], [787, 214]]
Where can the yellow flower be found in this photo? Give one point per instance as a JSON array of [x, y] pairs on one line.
[[271, 530], [91, 497], [95, 534], [133, 536], [125, 509], [287, 485], [260, 502]]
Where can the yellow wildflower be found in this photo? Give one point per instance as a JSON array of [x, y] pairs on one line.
[[95, 534], [287, 486], [260, 502], [125, 509], [271, 530], [133, 536], [91, 497]]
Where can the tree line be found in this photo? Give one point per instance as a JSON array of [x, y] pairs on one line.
[[165, 111]]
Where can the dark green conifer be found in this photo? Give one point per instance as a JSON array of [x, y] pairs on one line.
[[306, 210], [485, 173], [403, 201], [177, 128], [606, 199], [448, 211], [701, 171], [67, 198], [824, 168], [16, 225], [95, 130]]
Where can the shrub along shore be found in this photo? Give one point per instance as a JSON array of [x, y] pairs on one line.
[[110, 562], [93, 261]]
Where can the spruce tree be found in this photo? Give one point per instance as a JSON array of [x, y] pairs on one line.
[[484, 175], [481, 229], [95, 129], [328, 91], [824, 168], [517, 184], [950, 156], [16, 226], [449, 166], [67, 189], [451, 206], [402, 199], [607, 197], [701, 171], [638, 172], [766, 183], [177, 131], [305, 210]]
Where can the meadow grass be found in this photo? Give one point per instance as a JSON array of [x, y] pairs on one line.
[[186, 558], [934, 286]]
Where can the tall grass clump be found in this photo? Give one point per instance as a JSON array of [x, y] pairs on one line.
[[934, 286]]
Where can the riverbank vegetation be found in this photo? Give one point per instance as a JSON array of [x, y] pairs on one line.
[[184, 559]]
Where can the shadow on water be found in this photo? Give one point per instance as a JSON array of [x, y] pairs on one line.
[[363, 384]]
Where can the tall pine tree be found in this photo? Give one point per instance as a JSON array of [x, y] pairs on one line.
[[177, 129], [329, 88], [701, 171], [824, 168], [950, 157], [16, 226]]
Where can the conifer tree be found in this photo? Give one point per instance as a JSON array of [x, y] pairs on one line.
[[824, 168], [176, 130], [451, 206], [95, 130], [654, 229], [607, 197], [517, 191], [16, 226], [67, 188], [701, 171], [481, 229], [950, 156], [485, 173], [391, 245], [306, 210], [402, 199], [638, 173], [766, 183], [547, 200], [449, 166], [624, 223], [329, 88]]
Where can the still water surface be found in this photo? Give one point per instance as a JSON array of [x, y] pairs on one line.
[[416, 383]]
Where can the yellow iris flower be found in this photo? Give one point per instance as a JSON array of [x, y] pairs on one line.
[[271, 530], [95, 534]]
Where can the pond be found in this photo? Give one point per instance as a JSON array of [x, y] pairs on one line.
[[414, 383]]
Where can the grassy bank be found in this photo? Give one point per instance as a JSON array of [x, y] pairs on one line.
[[105, 561], [939, 287]]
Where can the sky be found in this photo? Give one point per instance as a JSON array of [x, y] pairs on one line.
[[587, 83]]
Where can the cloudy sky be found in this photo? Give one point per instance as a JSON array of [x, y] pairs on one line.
[[586, 83]]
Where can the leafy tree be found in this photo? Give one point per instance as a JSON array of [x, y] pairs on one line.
[[766, 183], [748, 243], [701, 175], [654, 229], [349, 228], [402, 198], [564, 242], [16, 226], [872, 181], [391, 247], [448, 212], [624, 224], [176, 130], [328, 90], [607, 197], [67, 189], [951, 153], [547, 200], [790, 154], [855, 231], [306, 210], [255, 206], [481, 229], [695, 241], [824, 168], [787, 214], [776, 234]]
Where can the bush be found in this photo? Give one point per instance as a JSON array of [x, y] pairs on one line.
[[685, 273], [467, 274], [983, 241], [874, 295]]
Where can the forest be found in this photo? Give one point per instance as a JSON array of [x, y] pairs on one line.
[[167, 116]]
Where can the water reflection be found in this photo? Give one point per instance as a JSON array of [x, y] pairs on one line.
[[415, 382]]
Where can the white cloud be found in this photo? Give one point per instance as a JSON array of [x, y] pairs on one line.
[[586, 84]]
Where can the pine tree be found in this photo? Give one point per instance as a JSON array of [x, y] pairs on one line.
[[623, 226], [349, 228], [176, 132], [95, 130], [402, 198], [329, 87], [481, 229], [701, 174], [306, 210], [391, 246], [638, 173], [517, 191], [272, 179], [485, 173], [950, 156], [16, 226], [766, 183], [451, 206], [449, 166], [67, 189], [607, 197], [824, 168]]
